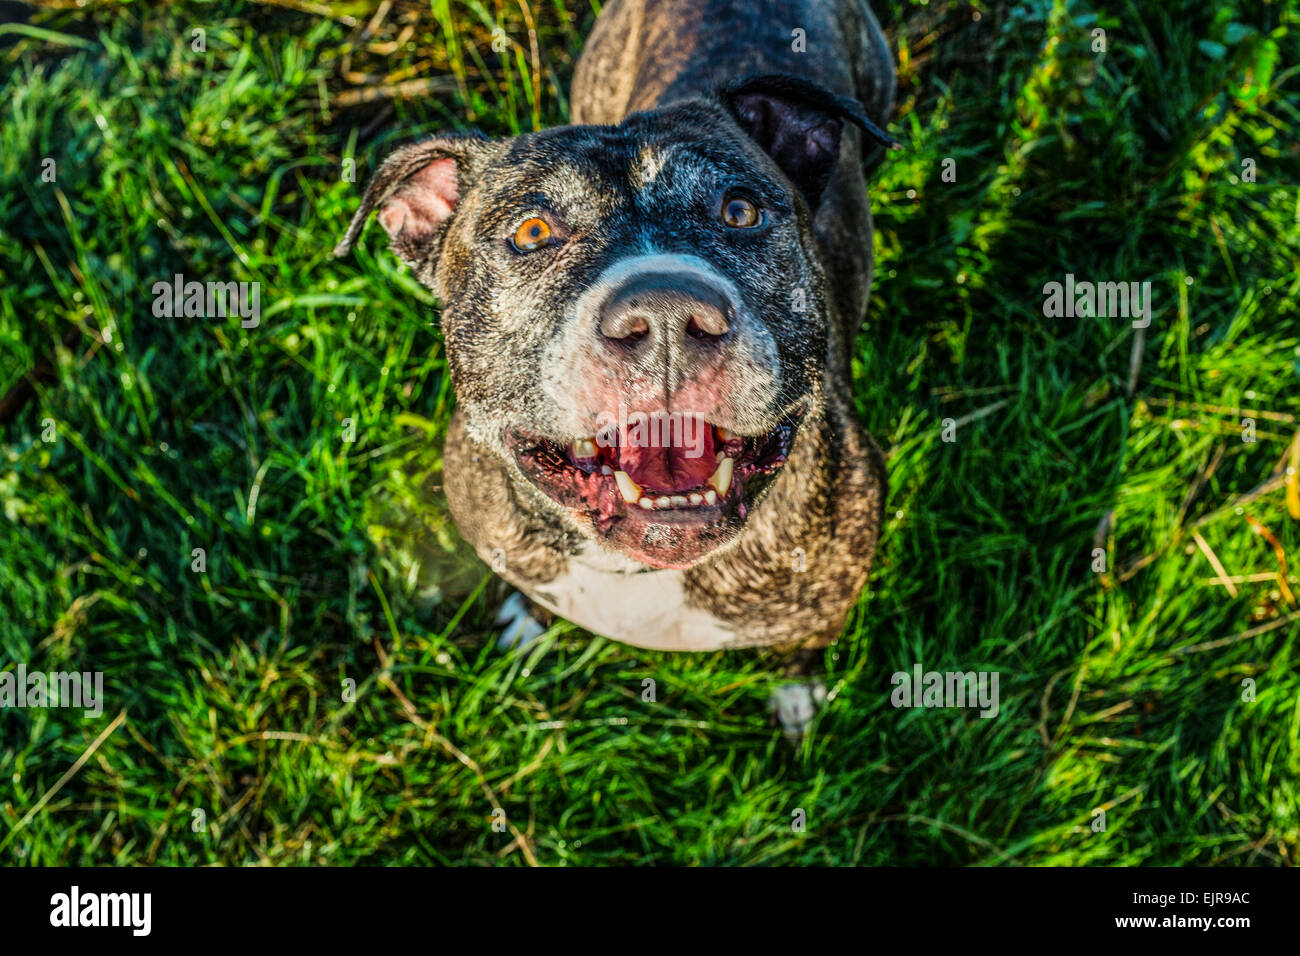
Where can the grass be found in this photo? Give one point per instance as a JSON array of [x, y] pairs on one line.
[[329, 561]]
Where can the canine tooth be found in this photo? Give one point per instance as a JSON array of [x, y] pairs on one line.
[[664, 502], [584, 448], [679, 501], [628, 488], [696, 499], [721, 479], [647, 504], [711, 497], [606, 470]]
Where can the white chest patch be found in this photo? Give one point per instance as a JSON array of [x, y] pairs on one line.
[[618, 598]]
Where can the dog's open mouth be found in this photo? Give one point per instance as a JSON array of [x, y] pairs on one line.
[[692, 474]]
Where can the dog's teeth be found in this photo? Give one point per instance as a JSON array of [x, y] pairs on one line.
[[647, 503], [628, 488], [725, 434], [584, 448], [606, 470], [697, 499], [679, 501], [663, 502], [711, 497], [721, 479]]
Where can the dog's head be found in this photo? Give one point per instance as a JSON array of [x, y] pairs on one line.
[[634, 315]]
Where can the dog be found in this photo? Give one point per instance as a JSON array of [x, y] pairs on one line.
[[649, 317]]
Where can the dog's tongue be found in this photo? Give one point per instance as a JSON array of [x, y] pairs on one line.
[[677, 464]]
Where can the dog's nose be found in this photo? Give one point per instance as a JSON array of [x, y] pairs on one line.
[[666, 308]]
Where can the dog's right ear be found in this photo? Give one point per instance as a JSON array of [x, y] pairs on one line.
[[417, 190]]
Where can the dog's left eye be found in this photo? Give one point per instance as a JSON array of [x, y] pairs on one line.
[[739, 213], [531, 235]]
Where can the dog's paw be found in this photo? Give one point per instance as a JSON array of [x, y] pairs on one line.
[[518, 626], [795, 706]]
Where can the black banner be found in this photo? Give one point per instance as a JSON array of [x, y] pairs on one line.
[[333, 906]]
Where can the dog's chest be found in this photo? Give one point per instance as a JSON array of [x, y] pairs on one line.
[[618, 598]]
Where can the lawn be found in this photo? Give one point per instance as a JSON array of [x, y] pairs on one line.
[[240, 525]]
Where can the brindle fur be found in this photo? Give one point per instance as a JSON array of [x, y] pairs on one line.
[[651, 71]]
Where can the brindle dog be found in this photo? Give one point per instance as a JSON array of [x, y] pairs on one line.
[[649, 317]]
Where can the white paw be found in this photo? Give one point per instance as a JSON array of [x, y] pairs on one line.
[[518, 627], [795, 705]]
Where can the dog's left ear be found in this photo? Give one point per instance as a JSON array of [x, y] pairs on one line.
[[417, 190], [799, 125]]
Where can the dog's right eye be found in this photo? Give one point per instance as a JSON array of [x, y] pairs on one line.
[[739, 212], [531, 235]]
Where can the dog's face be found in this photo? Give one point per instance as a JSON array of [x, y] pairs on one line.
[[634, 315]]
